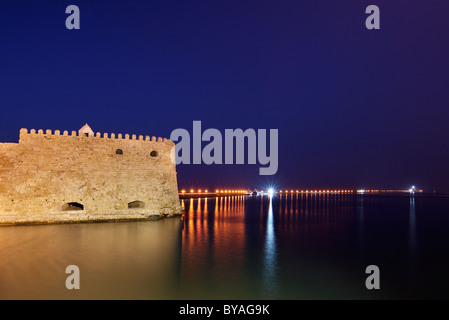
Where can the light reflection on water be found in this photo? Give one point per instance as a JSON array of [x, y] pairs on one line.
[[235, 247], [117, 260], [234, 252], [270, 256], [412, 233]]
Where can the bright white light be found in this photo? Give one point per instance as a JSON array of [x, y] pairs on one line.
[[270, 191]]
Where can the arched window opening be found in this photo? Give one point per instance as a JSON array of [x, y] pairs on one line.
[[72, 206], [136, 204], [153, 154], [119, 151]]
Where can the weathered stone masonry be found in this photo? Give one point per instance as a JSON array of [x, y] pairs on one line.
[[52, 177]]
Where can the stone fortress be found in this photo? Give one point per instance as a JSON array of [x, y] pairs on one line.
[[55, 178]]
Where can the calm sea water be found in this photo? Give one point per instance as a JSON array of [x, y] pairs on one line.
[[289, 247]]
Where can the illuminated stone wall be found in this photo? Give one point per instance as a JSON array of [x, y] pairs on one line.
[[53, 177]]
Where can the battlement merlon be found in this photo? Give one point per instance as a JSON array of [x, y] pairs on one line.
[[89, 134]]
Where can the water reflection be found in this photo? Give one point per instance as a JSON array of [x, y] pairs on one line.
[[412, 229], [130, 260], [240, 254], [360, 223], [270, 262], [233, 247], [213, 247]]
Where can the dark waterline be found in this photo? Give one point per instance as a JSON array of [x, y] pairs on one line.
[[288, 247]]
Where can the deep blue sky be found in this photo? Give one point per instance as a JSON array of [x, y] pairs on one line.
[[354, 108]]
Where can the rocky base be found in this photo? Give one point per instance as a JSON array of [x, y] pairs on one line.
[[72, 219]]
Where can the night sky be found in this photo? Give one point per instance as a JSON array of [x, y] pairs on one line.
[[355, 108]]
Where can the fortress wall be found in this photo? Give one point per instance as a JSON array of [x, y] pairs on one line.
[[94, 152], [46, 170]]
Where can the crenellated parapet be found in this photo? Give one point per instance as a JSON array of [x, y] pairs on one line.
[[25, 133]]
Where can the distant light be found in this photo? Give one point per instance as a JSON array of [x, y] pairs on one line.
[[191, 190], [270, 191], [183, 191], [199, 191], [216, 191], [205, 190]]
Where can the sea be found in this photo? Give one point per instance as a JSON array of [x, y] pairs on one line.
[[280, 247]]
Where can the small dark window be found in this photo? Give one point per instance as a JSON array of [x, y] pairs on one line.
[[136, 204], [72, 206], [86, 134], [153, 153], [119, 151]]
